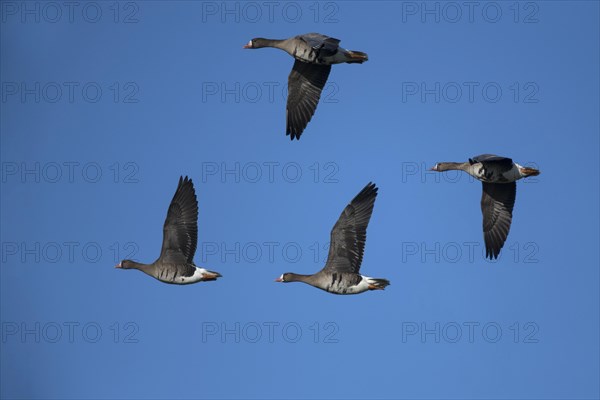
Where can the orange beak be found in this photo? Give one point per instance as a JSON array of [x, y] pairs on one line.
[[118, 265], [279, 280]]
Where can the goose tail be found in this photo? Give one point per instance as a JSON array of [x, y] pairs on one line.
[[209, 275], [526, 171], [377, 283]]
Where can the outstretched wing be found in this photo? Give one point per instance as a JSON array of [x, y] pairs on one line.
[[497, 202], [349, 233], [305, 84], [180, 232]]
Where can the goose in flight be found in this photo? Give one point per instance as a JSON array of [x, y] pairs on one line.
[[341, 272], [314, 54], [180, 238], [499, 176]]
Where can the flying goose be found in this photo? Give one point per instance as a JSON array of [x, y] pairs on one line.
[[314, 54], [499, 176], [341, 272], [180, 238]]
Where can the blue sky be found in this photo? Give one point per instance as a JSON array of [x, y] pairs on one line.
[[104, 107]]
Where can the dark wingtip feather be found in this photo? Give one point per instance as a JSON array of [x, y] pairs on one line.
[[185, 182], [185, 191], [292, 133], [370, 190], [492, 246], [492, 253]]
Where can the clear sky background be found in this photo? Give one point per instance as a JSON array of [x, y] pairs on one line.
[[105, 105]]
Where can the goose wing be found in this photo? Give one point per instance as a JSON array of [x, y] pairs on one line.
[[497, 202], [349, 233], [305, 84], [180, 231]]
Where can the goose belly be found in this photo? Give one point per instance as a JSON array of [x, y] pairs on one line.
[[176, 278], [343, 286]]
